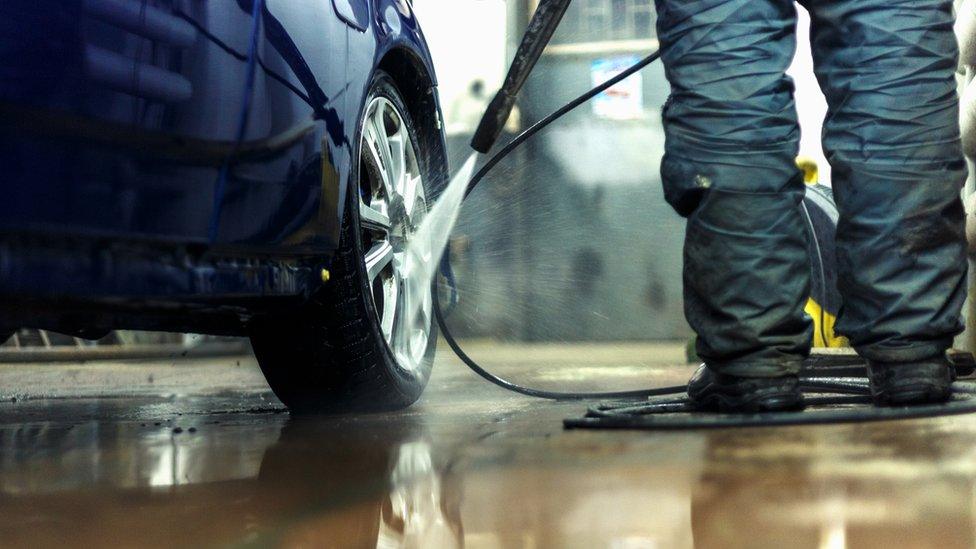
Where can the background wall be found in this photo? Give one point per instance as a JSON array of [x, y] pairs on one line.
[[468, 41]]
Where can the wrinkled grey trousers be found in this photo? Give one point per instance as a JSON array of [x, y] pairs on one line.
[[892, 138]]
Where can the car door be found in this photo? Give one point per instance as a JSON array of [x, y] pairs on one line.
[[138, 120], [285, 202]]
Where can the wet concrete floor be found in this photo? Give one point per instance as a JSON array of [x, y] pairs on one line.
[[198, 453]]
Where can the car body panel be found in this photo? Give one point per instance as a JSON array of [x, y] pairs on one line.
[[354, 12], [141, 189]]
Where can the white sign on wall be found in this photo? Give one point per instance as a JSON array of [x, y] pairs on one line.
[[623, 101]]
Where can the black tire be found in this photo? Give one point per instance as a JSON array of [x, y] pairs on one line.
[[331, 356]]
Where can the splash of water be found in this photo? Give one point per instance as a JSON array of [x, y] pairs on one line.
[[426, 247]]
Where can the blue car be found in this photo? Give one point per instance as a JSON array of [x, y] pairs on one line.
[[232, 167]]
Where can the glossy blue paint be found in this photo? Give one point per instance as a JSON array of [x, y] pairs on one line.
[[353, 12], [113, 132]]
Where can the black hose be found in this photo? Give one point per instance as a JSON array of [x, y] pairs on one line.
[[681, 416], [487, 167], [562, 111], [529, 391]]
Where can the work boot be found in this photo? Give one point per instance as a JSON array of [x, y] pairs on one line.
[[724, 393], [906, 383]]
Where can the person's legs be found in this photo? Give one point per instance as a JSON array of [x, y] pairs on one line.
[[892, 138], [731, 143]]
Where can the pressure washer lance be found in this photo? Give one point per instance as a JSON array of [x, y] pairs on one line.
[[544, 22], [821, 374]]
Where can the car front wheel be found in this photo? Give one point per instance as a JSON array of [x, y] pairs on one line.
[[366, 342]]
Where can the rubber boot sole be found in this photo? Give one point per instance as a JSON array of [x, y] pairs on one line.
[[910, 383], [771, 397]]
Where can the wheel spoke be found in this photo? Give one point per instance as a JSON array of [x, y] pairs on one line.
[[405, 321], [383, 149], [374, 146], [412, 194], [371, 218], [424, 311], [391, 305], [378, 257], [398, 157]]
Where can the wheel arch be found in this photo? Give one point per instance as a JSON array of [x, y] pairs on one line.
[[416, 85]]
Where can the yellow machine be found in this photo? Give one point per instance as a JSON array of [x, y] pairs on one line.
[[821, 217]]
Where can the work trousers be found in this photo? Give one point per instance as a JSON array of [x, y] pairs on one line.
[[891, 136]]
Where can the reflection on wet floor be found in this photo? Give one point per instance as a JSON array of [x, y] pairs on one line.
[[469, 466]]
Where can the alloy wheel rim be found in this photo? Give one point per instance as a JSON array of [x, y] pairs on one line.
[[392, 205]]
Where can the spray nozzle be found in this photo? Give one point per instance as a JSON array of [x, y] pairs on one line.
[[537, 35]]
